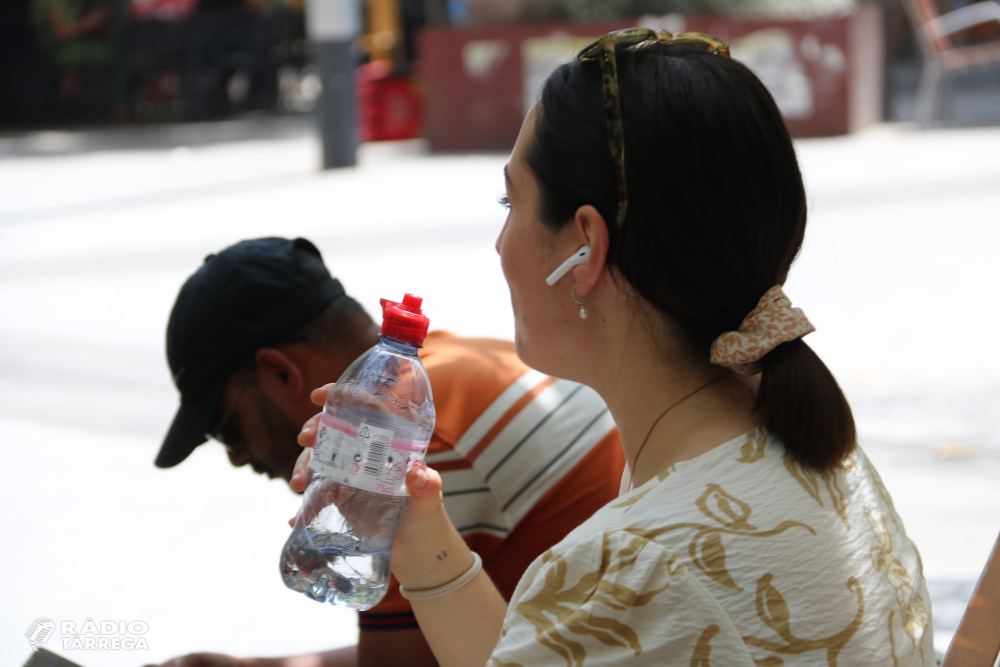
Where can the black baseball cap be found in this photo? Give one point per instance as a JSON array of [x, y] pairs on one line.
[[252, 295]]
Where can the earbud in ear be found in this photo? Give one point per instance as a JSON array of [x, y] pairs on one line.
[[577, 258]]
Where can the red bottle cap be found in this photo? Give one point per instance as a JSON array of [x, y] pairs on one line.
[[405, 321]]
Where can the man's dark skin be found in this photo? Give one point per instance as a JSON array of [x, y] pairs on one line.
[[264, 406]]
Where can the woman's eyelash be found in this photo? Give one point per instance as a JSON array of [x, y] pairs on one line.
[[503, 201]]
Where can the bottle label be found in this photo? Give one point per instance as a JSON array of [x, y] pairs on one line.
[[364, 456]]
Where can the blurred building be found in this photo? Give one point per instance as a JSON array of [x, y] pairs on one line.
[[488, 12], [98, 62]]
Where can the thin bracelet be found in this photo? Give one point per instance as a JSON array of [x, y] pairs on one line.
[[477, 565]]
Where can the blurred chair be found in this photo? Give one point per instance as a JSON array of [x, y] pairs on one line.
[[942, 56], [977, 640]]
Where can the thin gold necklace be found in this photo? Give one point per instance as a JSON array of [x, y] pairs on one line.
[[663, 414]]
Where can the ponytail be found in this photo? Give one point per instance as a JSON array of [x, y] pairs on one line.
[[800, 402], [716, 215]]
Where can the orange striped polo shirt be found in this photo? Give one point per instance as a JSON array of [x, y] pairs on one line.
[[524, 458]]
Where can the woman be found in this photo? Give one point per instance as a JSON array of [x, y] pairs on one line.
[[750, 530]]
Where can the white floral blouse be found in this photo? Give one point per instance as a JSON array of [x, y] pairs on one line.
[[740, 557]]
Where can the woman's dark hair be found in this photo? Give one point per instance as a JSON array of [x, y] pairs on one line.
[[716, 212]]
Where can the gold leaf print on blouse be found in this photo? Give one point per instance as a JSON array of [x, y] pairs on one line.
[[913, 612], [498, 663], [884, 493], [558, 605], [807, 480], [703, 649], [725, 509], [707, 550], [754, 448], [627, 504], [773, 611], [892, 638]]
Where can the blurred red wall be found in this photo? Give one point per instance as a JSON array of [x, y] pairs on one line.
[[826, 74]]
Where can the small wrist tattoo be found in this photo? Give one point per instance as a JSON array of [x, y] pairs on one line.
[[442, 555]]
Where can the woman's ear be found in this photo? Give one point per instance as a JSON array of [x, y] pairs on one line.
[[278, 375], [589, 224]]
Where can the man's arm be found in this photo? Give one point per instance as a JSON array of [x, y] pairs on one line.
[[64, 29], [376, 648], [393, 648]]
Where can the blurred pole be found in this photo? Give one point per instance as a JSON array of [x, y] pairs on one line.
[[386, 29], [333, 26]]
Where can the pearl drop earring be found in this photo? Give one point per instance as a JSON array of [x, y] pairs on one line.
[[582, 304]]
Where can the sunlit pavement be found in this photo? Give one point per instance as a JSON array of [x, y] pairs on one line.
[[900, 274]]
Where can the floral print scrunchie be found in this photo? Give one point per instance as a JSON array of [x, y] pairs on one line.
[[771, 323]]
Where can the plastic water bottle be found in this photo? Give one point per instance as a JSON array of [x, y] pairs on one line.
[[375, 427]]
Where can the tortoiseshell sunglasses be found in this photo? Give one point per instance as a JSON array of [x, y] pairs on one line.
[[604, 50]]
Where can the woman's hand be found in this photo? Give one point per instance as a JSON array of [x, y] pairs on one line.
[[301, 474], [425, 532], [462, 627], [307, 437], [427, 547]]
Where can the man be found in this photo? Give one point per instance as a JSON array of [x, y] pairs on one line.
[[524, 458], [80, 39]]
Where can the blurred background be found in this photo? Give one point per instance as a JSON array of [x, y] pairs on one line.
[[137, 136], [833, 64]]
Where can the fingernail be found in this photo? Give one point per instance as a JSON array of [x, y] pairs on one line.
[[421, 481]]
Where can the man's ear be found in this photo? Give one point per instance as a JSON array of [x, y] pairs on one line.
[[278, 375], [589, 225]]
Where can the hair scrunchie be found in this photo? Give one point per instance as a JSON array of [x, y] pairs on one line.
[[770, 324]]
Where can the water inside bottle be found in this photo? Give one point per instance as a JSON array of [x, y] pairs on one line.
[[340, 548], [342, 555], [335, 573]]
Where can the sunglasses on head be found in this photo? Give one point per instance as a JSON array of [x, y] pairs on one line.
[[603, 50]]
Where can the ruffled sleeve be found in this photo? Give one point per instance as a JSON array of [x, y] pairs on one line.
[[615, 598]]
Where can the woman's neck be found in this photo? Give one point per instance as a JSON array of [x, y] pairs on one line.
[[667, 411]]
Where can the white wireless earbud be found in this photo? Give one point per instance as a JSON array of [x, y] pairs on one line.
[[577, 258]]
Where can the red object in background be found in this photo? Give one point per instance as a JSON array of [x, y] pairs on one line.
[[478, 78], [390, 105], [162, 9]]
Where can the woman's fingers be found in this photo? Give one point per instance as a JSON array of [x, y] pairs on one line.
[[318, 396], [425, 529], [424, 487], [301, 474], [307, 436]]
